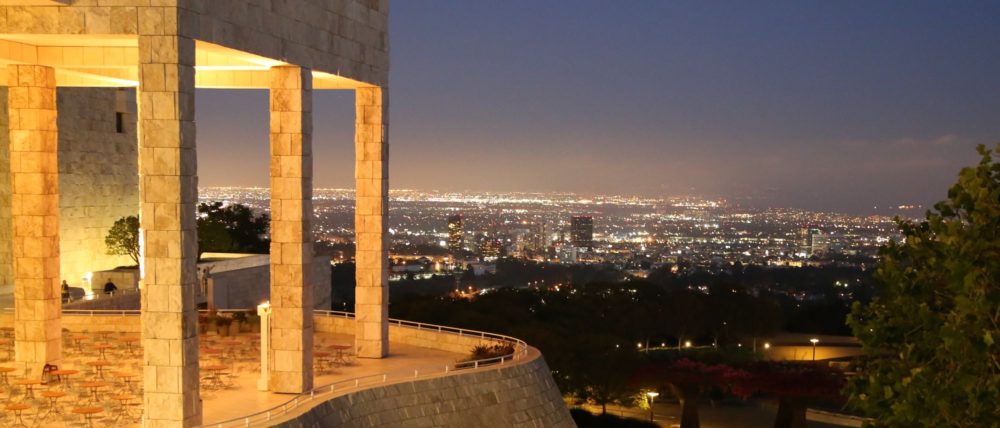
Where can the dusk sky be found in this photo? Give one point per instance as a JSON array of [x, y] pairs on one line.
[[823, 105]]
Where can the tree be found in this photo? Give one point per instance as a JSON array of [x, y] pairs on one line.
[[123, 238], [931, 333], [688, 380], [231, 228], [795, 385]]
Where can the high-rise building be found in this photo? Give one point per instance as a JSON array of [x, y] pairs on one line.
[[455, 234], [582, 231], [814, 241]]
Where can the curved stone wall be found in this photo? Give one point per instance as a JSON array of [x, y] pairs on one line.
[[513, 395]]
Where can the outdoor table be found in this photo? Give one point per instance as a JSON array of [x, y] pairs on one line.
[[340, 353], [99, 365], [215, 376], [128, 341], [29, 386], [64, 373], [53, 397], [103, 347], [7, 331], [89, 413], [126, 377], [324, 360], [93, 386], [78, 341], [18, 408], [3, 374], [103, 334], [123, 403]]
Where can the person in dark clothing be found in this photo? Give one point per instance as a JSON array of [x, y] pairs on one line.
[[65, 290], [110, 288]]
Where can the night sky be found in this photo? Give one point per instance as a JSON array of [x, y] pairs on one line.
[[815, 104]]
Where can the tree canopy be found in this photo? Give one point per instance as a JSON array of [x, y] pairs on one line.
[[931, 333], [231, 228], [123, 238]]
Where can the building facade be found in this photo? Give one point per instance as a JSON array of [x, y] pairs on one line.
[[161, 51]]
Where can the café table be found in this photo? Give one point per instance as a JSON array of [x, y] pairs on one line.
[[78, 341], [124, 401], [94, 386], [126, 378], [62, 374], [53, 397], [340, 353], [89, 413], [214, 377], [3, 374], [29, 386], [103, 348], [99, 366], [17, 409], [129, 341]]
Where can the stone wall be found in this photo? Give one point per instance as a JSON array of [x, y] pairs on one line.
[[98, 178], [247, 287], [522, 395]]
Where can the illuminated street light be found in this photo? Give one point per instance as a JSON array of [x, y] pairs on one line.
[[814, 342], [687, 343], [767, 345], [652, 395]]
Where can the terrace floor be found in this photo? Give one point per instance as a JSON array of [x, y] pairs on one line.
[[231, 394]]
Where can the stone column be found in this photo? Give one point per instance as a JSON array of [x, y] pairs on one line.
[[371, 148], [168, 188], [290, 360], [34, 175]]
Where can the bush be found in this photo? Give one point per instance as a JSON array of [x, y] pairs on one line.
[[483, 352]]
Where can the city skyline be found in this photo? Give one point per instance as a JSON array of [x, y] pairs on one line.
[[689, 99]]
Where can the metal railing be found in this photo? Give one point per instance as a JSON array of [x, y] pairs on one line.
[[361, 382], [325, 392]]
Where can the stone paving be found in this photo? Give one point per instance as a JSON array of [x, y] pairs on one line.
[[110, 384]]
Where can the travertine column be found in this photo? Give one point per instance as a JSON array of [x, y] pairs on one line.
[[291, 368], [168, 188], [371, 147], [34, 174]]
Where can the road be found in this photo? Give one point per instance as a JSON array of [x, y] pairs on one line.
[[727, 416]]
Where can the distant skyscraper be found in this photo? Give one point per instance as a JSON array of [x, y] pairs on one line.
[[455, 234], [814, 241], [582, 231]]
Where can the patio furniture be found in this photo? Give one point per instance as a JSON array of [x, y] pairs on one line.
[[29, 386], [103, 348], [53, 397], [3, 374], [18, 409], [89, 413], [99, 366], [122, 411], [94, 386], [64, 374], [214, 377], [126, 378]]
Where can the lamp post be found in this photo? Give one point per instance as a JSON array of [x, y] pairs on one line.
[[652, 395], [264, 311], [814, 342]]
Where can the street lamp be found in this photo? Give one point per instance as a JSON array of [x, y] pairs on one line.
[[814, 342], [651, 395]]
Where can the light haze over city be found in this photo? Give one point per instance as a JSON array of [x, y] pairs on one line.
[[831, 107]]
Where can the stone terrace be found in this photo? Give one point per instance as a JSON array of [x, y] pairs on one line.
[[230, 369]]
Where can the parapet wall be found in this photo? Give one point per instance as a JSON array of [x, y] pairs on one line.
[[516, 394], [406, 335]]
